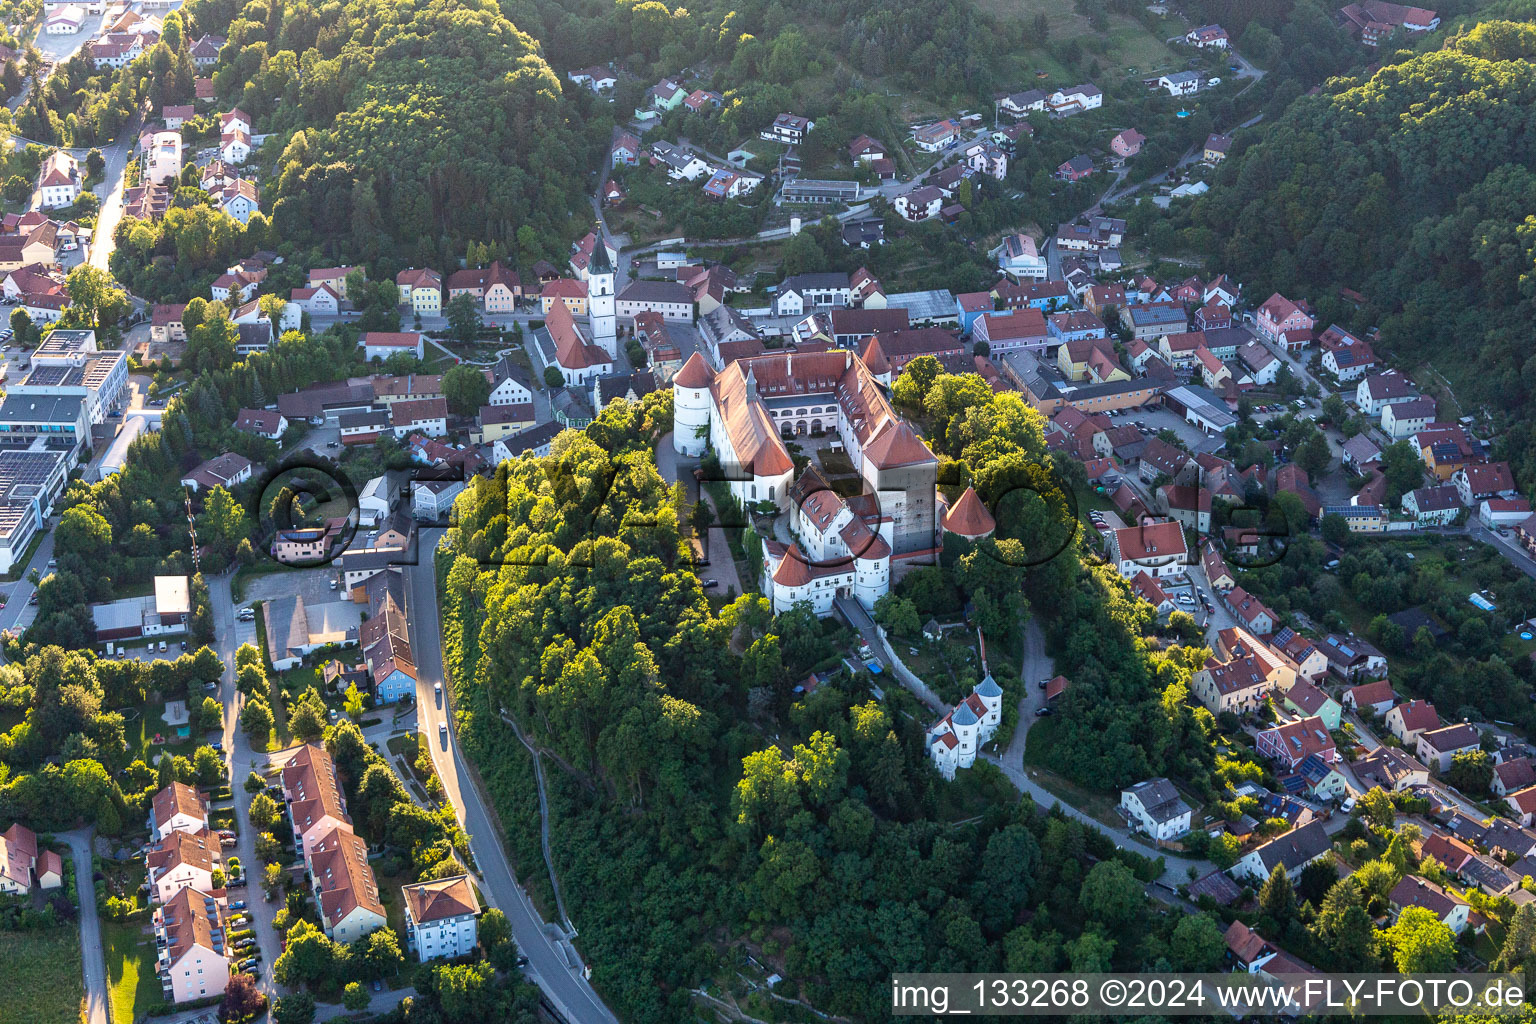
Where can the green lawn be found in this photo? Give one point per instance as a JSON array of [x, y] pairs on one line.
[[131, 979], [43, 976]]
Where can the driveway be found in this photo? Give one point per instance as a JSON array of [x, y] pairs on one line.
[[91, 954]]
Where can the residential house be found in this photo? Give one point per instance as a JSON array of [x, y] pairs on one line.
[[1074, 100], [1019, 105], [1075, 169], [1128, 143], [1401, 420], [1263, 366], [1309, 701], [1238, 685], [1156, 808], [1344, 355], [789, 129], [1376, 698], [422, 290], [177, 808], [182, 859], [919, 203], [1410, 720], [192, 946], [345, 890], [1248, 949], [1216, 147], [864, 150], [1522, 804], [1208, 37], [441, 917], [1255, 616], [58, 181], [1289, 744], [1376, 21], [625, 151], [1437, 747], [934, 137], [1181, 83], [1382, 389], [1350, 657], [1291, 852], [227, 471], [1480, 481], [1392, 769], [1285, 323], [681, 164], [1413, 891], [1022, 329], [18, 858], [1433, 506], [1216, 571], [570, 293], [1020, 259], [1511, 775]]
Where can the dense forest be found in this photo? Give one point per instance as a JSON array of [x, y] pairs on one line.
[[406, 129], [1413, 188]]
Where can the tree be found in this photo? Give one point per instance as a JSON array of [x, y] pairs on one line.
[[1471, 772], [898, 615], [1277, 899], [1335, 529], [1313, 456], [494, 929], [553, 377], [381, 952], [353, 703], [21, 327], [272, 877], [1421, 943], [256, 722], [208, 765], [297, 1008], [264, 811], [308, 957], [306, 719], [465, 387], [212, 714], [254, 783], [96, 301], [354, 997], [1111, 894], [242, 1000], [463, 314], [1197, 943], [1403, 468]]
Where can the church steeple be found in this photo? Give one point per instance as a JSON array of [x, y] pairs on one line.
[[751, 385]]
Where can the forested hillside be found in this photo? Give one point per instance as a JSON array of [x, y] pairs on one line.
[[421, 125], [1415, 188], [701, 809]]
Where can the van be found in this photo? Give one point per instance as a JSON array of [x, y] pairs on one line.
[[162, 646]]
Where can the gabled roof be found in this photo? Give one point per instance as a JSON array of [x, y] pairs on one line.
[[440, 899], [1296, 848], [179, 798]]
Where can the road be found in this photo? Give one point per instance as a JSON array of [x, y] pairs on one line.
[[563, 986], [91, 954], [102, 242], [16, 614], [242, 761]]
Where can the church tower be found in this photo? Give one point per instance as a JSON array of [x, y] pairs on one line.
[[600, 299]]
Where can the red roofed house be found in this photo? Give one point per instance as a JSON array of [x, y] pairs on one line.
[[1290, 744], [1127, 143], [1407, 721], [1236, 686], [1377, 697], [1250, 611], [1156, 548], [1284, 322]]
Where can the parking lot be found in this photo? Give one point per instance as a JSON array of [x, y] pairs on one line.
[[1156, 419]]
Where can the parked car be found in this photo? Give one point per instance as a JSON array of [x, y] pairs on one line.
[[1043, 712], [247, 963], [237, 905]]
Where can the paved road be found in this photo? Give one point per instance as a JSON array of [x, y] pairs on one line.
[[91, 954], [102, 242], [242, 761], [17, 614], [562, 985]]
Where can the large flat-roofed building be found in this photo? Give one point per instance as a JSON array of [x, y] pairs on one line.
[[45, 422], [100, 379], [30, 482], [166, 611], [810, 190]]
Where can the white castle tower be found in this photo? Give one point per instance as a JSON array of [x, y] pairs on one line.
[[600, 299], [691, 403]]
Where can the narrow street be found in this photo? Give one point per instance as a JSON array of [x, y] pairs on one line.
[[242, 761], [97, 999]]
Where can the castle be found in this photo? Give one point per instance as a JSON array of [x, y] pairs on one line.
[[843, 547]]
